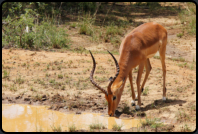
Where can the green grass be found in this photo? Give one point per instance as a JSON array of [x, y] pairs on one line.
[[185, 128], [60, 76], [96, 126], [178, 59], [57, 129], [19, 80], [86, 25], [72, 128], [117, 127], [180, 35], [13, 87], [6, 74], [145, 92], [188, 18]]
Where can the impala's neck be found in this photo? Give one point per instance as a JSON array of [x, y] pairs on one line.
[[124, 70]]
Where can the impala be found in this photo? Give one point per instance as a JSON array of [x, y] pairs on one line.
[[135, 50]]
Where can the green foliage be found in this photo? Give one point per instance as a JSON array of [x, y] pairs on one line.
[[87, 6], [117, 127], [42, 35], [188, 18], [86, 25]]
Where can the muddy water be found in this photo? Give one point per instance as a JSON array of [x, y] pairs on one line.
[[28, 118]]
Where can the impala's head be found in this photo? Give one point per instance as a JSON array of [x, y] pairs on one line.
[[112, 94]]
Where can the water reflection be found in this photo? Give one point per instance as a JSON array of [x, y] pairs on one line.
[[29, 118]]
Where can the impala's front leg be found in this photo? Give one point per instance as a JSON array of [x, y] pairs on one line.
[[132, 89], [141, 68]]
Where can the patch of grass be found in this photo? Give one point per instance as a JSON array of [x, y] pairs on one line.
[[52, 81], [182, 116], [73, 25], [180, 35], [60, 76], [112, 29], [185, 128], [182, 64], [126, 109], [178, 59], [63, 88], [6, 74], [191, 67], [47, 66], [72, 128], [37, 97], [187, 17], [153, 123], [96, 126], [156, 57], [20, 80], [47, 75], [36, 64], [13, 88], [117, 127], [57, 129], [115, 41], [145, 92], [86, 25]]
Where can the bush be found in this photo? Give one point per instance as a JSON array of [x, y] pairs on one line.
[[86, 27], [188, 18], [42, 35]]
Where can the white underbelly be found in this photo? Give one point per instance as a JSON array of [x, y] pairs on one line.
[[151, 55]]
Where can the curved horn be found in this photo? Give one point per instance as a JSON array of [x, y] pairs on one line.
[[118, 70], [91, 76]]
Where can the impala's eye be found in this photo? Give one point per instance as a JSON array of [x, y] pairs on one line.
[[114, 97]]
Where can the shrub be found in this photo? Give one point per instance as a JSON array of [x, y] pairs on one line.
[[42, 35], [86, 27]]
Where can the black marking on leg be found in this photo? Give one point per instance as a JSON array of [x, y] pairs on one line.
[[114, 97], [142, 89], [165, 89]]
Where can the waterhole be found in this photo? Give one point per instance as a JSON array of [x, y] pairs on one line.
[[29, 118]]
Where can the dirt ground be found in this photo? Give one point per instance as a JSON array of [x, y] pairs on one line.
[[60, 79]]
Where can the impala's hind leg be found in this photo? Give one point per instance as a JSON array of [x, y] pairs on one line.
[[162, 52], [148, 69]]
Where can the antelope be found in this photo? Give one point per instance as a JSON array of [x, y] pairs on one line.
[[135, 50]]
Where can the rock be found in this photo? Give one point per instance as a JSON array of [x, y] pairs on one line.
[[44, 96], [43, 99], [26, 99], [125, 116], [75, 106], [100, 108], [78, 112], [65, 107], [17, 97]]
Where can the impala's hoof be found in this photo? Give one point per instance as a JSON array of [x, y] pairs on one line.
[[164, 99], [137, 107], [132, 103]]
